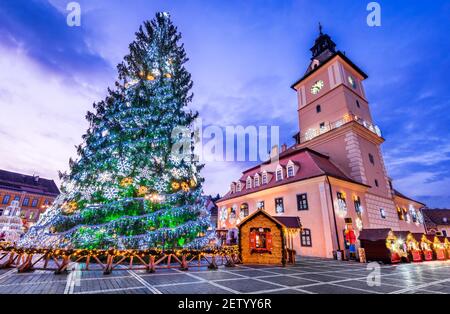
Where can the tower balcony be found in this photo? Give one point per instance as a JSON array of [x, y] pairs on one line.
[[330, 126]]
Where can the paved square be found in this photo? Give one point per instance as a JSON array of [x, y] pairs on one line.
[[307, 276]]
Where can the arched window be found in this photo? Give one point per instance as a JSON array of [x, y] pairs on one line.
[[305, 238], [244, 209]]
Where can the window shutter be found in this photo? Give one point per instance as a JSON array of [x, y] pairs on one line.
[[269, 240], [252, 240]]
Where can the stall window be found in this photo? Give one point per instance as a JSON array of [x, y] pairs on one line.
[[306, 238], [244, 209], [302, 201], [6, 199], [279, 207], [260, 239]]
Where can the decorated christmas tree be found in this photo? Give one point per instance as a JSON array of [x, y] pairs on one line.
[[135, 183]]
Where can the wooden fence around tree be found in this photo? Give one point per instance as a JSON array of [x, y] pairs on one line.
[[59, 260]]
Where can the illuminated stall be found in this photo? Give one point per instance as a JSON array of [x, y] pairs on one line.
[[426, 245], [382, 245], [439, 248], [411, 245], [266, 239], [447, 247]]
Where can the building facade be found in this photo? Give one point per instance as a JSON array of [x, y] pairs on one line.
[[33, 194], [333, 177]]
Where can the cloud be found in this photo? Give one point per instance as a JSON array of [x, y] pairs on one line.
[[42, 119], [41, 32]]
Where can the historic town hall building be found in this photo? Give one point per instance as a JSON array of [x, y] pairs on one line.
[[334, 178]]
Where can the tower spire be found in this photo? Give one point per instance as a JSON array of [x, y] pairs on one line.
[[323, 44]]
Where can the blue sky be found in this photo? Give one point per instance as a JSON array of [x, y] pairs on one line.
[[244, 55]]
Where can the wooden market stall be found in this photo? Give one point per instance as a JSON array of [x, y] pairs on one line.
[[439, 248], [265, 239], [381, 245], [447, 247], [426, 245], [411, 245]]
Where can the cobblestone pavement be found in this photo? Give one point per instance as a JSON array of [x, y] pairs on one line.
[[309, 275]]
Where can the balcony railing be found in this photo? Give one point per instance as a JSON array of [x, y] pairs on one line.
[[347, 118]]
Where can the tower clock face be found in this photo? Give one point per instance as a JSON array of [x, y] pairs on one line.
[[352, 81], [316, 87]]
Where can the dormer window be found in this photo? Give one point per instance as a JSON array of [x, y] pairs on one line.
[[290, 171], [264, 178], [248, 184], [233, 188], [279, 173], [239, 186], [256, 183]]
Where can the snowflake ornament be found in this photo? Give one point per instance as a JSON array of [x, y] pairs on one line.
[[111, 193], [105, 177], [124, 167]]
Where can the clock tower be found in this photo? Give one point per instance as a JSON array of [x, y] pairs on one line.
[[335, 120]]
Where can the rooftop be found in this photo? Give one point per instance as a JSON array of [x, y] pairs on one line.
[[27, 183], [310, 164]]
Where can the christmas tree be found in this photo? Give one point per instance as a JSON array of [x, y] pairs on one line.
[[136, 182]]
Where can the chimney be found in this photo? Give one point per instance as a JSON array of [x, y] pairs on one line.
[[283, 148], [274, 152]]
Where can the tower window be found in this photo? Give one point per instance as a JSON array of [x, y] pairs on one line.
[[376, 182], [382, 213], [357, 103], [318, 109], [371, 159], [322, 126]]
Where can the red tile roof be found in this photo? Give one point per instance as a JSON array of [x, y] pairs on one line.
[[437, 216], [311, 164]]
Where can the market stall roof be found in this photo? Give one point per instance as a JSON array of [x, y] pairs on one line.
[[374, 234], [290, 222], [402, 234]]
